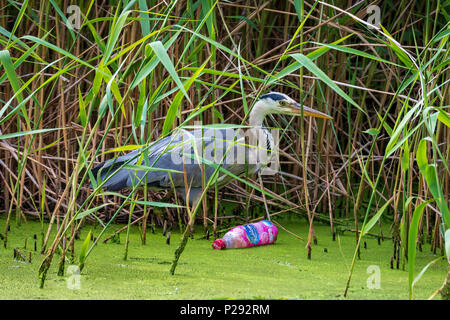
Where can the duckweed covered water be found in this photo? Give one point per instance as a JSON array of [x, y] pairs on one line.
[[279, 271]]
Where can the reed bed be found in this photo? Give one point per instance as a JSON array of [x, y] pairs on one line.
[[79, 81]]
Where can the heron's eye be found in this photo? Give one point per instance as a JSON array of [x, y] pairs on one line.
[[283, 103]]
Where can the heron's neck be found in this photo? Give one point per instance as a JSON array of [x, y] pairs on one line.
[[257, 115], [259, 135]]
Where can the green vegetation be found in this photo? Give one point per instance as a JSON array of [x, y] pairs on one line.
[[279, 271], [78, 81]]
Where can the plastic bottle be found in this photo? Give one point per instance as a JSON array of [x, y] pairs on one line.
[[249, 235]]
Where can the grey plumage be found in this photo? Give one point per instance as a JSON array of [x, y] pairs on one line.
[[162, 162], [165, 163]]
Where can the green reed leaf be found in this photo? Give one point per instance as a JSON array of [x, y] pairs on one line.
[[412, 240], [308, 64], [164, 58]]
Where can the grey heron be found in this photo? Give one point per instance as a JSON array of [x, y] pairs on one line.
[[175, 161]]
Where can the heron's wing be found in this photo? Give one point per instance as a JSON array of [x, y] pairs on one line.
[[164, 163], [116, 173]]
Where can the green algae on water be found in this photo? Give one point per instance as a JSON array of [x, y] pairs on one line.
[[279, 271]]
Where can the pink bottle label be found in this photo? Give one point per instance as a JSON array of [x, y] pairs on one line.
[[255, 234]]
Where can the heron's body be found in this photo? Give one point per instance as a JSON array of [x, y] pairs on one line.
[[187, 159], [165, 161]]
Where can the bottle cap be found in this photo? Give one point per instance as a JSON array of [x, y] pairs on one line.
[[219, 244]]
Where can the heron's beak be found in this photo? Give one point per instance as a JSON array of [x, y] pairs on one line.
[[296, 109]]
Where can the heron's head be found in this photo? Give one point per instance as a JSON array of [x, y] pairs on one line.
[[279, 103]]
